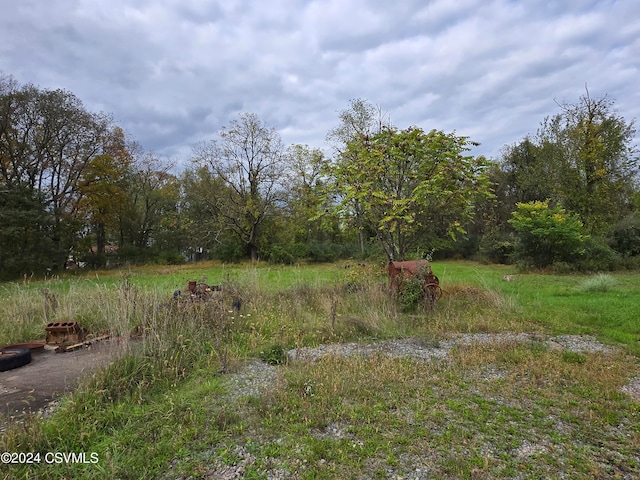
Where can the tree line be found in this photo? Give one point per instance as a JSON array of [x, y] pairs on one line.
[[75, 188]]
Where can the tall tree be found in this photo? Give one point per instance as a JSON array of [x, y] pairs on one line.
[[104, 187], [249, 158], [583, 158], [599, 147], [362, 119], [153, 193], [306, 179], [47, 139], [201, 205], [396, 179]]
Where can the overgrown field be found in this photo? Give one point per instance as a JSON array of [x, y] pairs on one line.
[[212, 393]]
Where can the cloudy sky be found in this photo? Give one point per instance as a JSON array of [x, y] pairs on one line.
[[173, 72]]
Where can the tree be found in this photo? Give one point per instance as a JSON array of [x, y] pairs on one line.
[[583, 158], [152, 203], [25, 240], [47, 139], [362, 119], [395, 180], [306, 180], [103, 188], [547, 234], [204, 227], [249, 159]]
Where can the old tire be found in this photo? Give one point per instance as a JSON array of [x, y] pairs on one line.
[[13, 357]]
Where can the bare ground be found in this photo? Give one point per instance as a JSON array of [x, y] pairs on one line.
[[33, 387]]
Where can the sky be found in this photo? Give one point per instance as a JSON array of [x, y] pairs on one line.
[[172, 73]]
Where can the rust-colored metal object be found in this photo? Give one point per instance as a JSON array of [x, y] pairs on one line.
[[400, 271], [59, 333], [198, 291], [411, 270]]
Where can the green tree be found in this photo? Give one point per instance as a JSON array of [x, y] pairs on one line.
[[546, 234], [583, 158], [395, 180], [305, 190], [205, 230], [361, 119], [25, 235], [153, 197], [103, 188], [248, 157], [47, 139]]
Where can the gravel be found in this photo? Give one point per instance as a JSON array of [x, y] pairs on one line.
[[258, 377], [439, 350], [421, 349]]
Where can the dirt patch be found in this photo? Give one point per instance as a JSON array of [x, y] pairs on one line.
[[50, 375]]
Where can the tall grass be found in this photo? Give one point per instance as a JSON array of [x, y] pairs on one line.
[[601, 282], [162, 398]]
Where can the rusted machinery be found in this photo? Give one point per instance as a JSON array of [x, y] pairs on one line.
[[64, 333], [400, 272]]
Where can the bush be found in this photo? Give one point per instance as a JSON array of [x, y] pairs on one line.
[[325, 252], [546, 235], [497, 247], [626, 235], [280, 254], [274, 355], [597, 256], [411, 293]]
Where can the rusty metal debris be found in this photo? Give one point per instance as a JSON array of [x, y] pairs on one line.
[[197, 291], [60, 333], [400, 272]]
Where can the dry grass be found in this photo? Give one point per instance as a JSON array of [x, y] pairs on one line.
[[497, 410]]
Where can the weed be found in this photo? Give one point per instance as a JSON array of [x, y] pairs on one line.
[[274, 355], [573, 357], [601, 282]]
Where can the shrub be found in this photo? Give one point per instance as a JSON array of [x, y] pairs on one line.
[[411, 293], [280, 254], [626, 235], [497, 247], [546, 235], [597, 256], [274, 355]]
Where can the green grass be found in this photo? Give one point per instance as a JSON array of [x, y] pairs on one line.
[[492, 411]]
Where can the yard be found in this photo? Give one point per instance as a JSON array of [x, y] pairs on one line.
[[322, 374]]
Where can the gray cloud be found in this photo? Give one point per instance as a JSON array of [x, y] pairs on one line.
[[173, 73]]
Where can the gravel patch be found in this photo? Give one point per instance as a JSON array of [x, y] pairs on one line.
[[440, 350], [633, 388], [415, 348], [252, 381], [258, 377]]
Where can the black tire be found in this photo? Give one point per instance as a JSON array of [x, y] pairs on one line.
[[13, 357]]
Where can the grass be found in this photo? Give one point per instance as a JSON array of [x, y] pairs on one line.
[[601, 282], [489, 411]]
